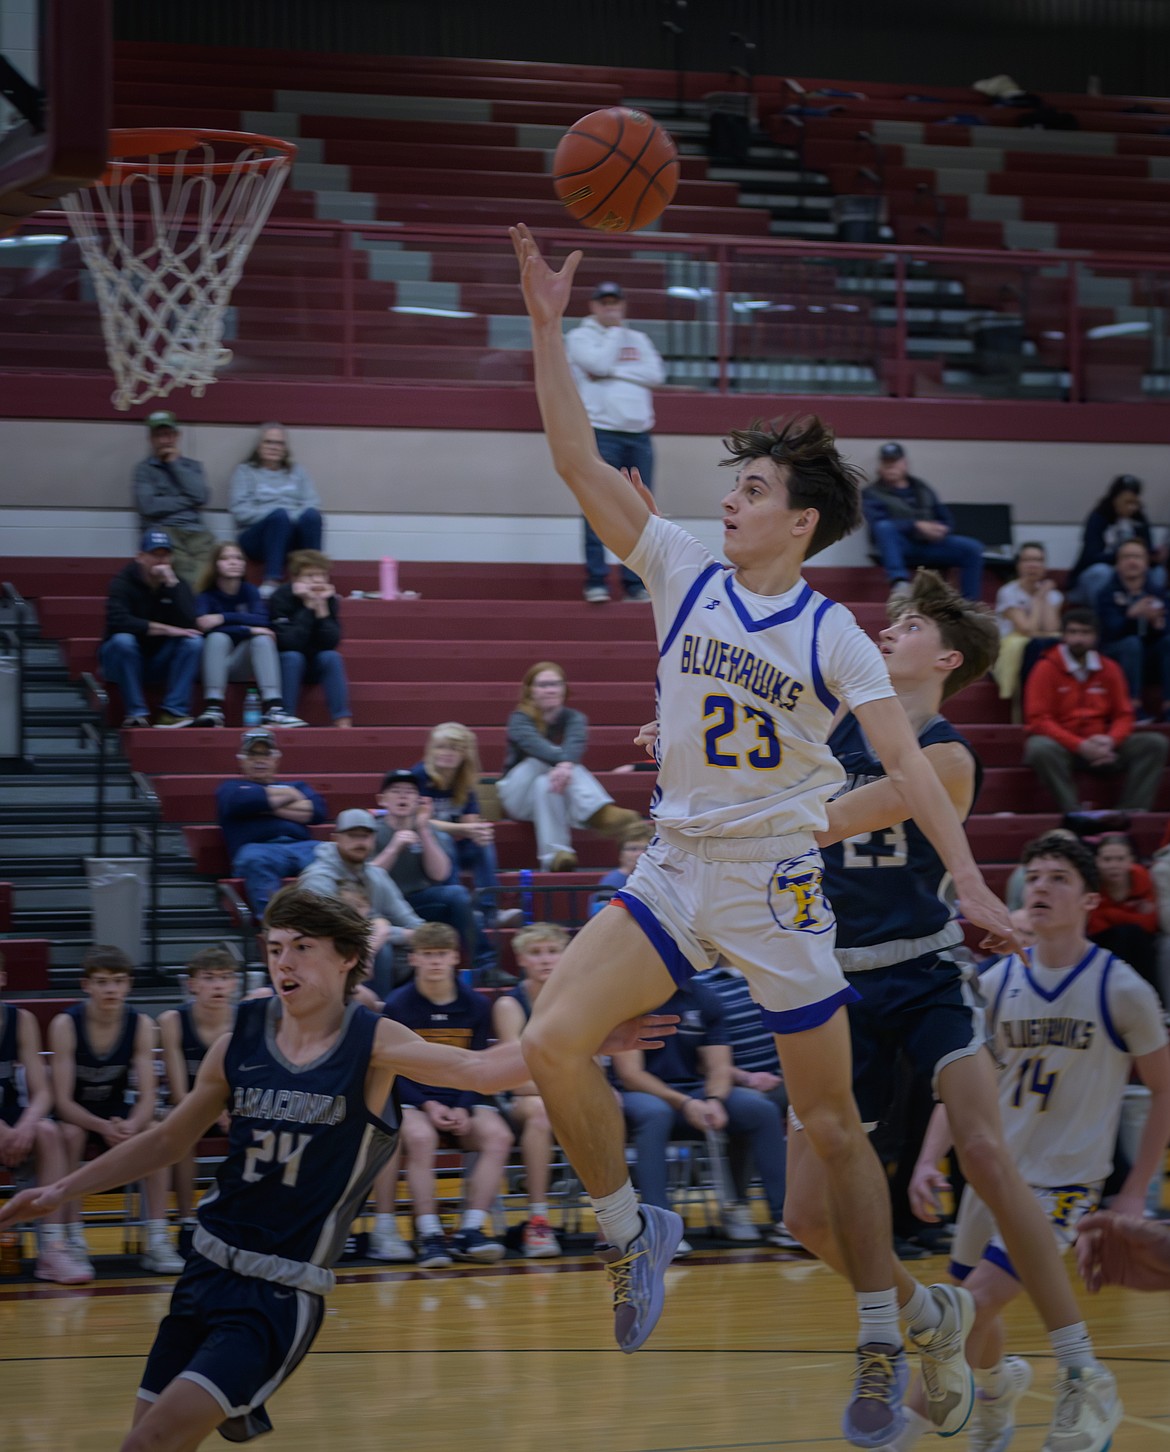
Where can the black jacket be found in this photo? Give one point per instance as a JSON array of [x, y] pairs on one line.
[[297, 628], [131, 605]]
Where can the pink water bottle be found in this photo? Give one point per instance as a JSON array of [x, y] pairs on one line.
[[388, 579]]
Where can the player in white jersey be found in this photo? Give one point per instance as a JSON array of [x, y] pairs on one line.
[[752, 666], [1066, 1022]]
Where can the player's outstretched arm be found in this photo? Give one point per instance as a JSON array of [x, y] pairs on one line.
[[163, 1144], [614, 510], [1123, 1250], [490, 1071], [886, 724], [880, 804]]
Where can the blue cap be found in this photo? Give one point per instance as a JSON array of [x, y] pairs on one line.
[[155, 539]]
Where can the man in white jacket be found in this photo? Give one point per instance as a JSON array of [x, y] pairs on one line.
[[615, 368]]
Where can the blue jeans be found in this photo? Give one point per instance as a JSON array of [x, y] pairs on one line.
[[749, 1114], [273, 538], [327, 667], [450, 902], [265, 865], [1141, 659], [177, 661], [469, 856], [900, 553], [623, 451]]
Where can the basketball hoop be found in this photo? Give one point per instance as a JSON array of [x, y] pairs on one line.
[[165, 233]]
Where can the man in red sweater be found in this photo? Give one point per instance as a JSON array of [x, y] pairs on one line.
[[1079, 717]]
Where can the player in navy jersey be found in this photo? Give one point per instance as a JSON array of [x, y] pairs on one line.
[[186, 1034], [897, 929], [752, 665], [304, 1074]]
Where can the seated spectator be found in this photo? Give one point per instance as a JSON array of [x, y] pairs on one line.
[[1079, 718], [345, 862], [1131, 611], [304, 616], [274, 505], [633, 844], [449, 775], [265, 823], [31, 1147], [151, 634], [538, 950], [239, 643], [544, 782], [1028, 611], [170, 493], [1112, 520], [380, 932], [97, 1045], [410, 851], [186, 1034], [1125, 919], [910, 526], [438, 1008], [686, 1087]]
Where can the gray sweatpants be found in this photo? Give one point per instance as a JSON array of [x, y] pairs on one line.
[[525, 796], [252, 659]]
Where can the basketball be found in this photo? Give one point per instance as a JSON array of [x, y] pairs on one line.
[[616, 170]]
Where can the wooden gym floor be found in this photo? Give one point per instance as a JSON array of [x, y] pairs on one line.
[[753, 1352]]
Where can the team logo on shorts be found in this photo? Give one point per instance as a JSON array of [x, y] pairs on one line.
[[796, 899]]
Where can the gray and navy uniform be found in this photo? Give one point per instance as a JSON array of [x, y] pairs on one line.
[[898, 931], [303, 1151], [11, 1071], [101, 1083], [193, 1048]]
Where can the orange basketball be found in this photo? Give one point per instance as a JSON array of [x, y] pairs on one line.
[[616, 170]]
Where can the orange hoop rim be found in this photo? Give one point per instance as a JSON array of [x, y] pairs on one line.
[[142, 142]]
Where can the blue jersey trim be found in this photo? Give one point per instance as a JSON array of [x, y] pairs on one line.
[[796, 1020], [781, 617], [959, 1271], [824, 695], [1000, 1258], [687, 606], [1106, 1017], [993, 1015], [680, 968], [1069, 978]]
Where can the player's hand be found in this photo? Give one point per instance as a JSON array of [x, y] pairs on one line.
[[32, 1204], [646, 1032], [1114, 1250], [981, 907], [925, 1191], [546, 293], [634, 478], [224, 1123], [647, 737]]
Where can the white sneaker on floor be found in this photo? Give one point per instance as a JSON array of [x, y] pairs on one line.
[[161, 1258], [59, 1262], [738, 1223], [946, 1377], [388, 1245], [994, 1419], [596, 594], [1087, 1411], [78, 1246], [683, 1248]]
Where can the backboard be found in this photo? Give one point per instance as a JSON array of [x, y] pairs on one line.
[[56, 80]]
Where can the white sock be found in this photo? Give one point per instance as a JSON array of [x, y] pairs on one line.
[[877, 1314], [52, 1234], [1071, 1347], [538, 1207], [386, 1224], [473, 1220], [156, 1230], [75, 1231], [992, 1381], [619, 1216], [921, 1312], [429, 1225]]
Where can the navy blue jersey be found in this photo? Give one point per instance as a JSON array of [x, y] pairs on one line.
[[883, 918], [303, 1149], [100, 1084], [520, 994], [193, 1047], [10, 1105], [701, 1025], [464, 1023]]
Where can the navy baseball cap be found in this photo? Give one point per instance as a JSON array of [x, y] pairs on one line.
[[257, 737], [156, 539], [891, 451], [608, 289]]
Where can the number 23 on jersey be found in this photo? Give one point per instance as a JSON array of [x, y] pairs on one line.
[[730, 719]]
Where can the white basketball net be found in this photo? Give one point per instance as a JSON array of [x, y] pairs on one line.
[[165, 238]]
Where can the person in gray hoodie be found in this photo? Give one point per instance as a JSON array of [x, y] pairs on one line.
[[275, 505], [344, 862]]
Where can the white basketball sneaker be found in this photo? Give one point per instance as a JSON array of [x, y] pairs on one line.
[[1087, 1411]]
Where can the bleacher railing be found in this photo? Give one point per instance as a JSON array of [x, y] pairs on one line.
[[380, 303]]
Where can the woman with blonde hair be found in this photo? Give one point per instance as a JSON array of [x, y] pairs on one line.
[[544, 782], [449, 775]]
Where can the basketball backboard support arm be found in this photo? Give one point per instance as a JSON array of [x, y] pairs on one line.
[[40, 163]]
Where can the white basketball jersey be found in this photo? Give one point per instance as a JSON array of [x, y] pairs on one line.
[[1065, 1040], [747, 688]]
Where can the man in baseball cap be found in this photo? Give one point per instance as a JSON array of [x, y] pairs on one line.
[[170, 492]]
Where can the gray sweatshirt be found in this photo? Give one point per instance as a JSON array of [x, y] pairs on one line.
[[170, 495], [566, 740], [327, 872], [256, 492]]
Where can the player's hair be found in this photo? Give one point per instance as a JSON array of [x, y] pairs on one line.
[[103, 958], [1067, 849], [254, 457], [434, 938], [527, 938], [465, 777], [318, 916], [815, 474], [355, 895], [300, 562], [967, 626], [210, 575], [643, 832], [1079, 615], [526, 703], [212, 960]]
